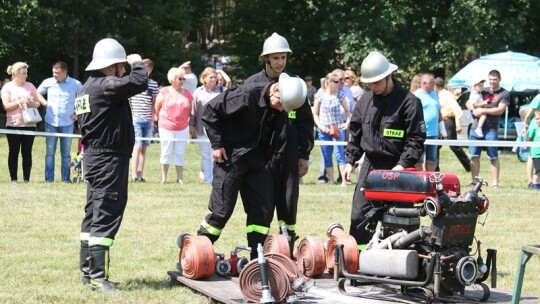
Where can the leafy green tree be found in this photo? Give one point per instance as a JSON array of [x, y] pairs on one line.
[[436, 36], [302, 23], [17, 35], [43, 32], [430, 36]]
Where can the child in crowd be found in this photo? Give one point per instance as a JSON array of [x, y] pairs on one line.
[[533, 134], [477, 98]]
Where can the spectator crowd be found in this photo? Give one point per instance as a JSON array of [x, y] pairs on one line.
[[174, 112]]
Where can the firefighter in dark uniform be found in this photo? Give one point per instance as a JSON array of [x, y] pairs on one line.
[[388, 126], [106, 128], [241, 125], [291, 159]]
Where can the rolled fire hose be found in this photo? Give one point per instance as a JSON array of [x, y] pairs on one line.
[[277, 243], [197, 258], [310, 257], [298, 281], [250, 281], [350, 250]]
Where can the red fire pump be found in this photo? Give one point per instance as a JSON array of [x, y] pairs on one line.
[[435, 259], [232, 266]]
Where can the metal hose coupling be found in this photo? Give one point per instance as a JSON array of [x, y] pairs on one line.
[[266, 296], [299, 282], [334, 229], [250, 281]]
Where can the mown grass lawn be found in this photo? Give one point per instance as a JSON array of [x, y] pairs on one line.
[[40, 222]]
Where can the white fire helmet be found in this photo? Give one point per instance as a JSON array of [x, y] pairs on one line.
[[107, 52], [292, 92], [375, 67], [275, 44]]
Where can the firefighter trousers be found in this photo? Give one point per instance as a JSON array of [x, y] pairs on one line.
[[286, 180], [248, 176], [360, 208], [106, 196]]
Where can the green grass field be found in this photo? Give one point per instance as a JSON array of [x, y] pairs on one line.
[[39, 243]]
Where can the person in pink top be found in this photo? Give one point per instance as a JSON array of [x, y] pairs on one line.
[[19, 94], [173, 108]]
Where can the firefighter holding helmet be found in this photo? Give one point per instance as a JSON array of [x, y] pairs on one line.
[[241, 124], [106, 128], [291, 158], [388, 126]]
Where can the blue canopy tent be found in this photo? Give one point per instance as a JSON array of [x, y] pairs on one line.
[[519, 73]]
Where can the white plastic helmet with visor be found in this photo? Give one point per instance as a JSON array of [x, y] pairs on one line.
[[292, 92], [375, 67], [275, 44], [107, 51]]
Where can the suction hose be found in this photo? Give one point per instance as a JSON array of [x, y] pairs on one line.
[[412, 237]]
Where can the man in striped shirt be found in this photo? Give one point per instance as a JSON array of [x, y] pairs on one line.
[[142, 107]]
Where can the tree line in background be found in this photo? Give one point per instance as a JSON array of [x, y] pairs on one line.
[[419, 36]]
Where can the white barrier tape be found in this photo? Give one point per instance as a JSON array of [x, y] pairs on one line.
[[454, 142], [37, 133], [481, 143], [436, 142]]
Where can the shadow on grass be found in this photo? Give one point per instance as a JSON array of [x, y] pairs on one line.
[[154, 284]]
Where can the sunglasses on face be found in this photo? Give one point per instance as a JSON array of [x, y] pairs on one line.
[[347, 78], [335, 81]]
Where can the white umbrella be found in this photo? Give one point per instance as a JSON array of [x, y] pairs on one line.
[[519, 71]]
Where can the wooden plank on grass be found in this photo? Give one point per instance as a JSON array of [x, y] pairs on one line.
[[226, 290], [221, 289]]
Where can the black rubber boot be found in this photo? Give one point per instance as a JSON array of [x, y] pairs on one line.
[[255, 238], [84, 262], [99, 270], [292, 239]]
